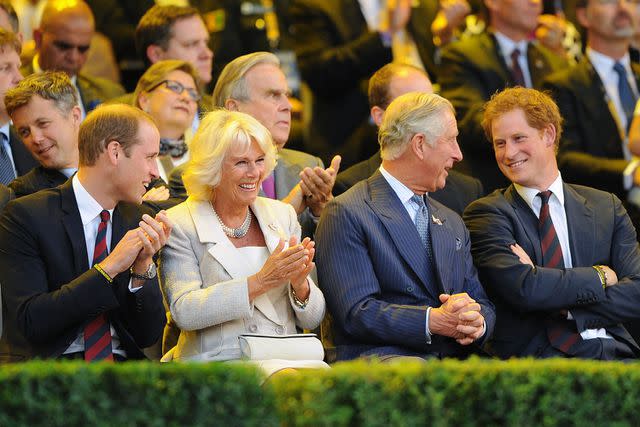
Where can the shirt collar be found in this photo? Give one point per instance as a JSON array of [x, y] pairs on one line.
[[5, 130], [402, 191], [529, 194], [507, 45], [88, 206], [604, 64]]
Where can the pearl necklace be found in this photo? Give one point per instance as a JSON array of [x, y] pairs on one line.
[[236, 233]]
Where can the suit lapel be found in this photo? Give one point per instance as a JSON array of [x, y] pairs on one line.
[[539, 67], [222, 250], [581, 227], [73, 226], [528, 221], [492, 49], [389, 209], [285, 177]]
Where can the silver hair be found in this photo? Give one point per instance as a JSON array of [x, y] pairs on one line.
[[408, 115]]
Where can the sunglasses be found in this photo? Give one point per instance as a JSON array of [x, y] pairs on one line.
[[64, 46], [178, 89]]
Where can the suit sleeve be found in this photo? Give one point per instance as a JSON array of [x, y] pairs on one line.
[[352, 290], [521, 286], [328, 64], [43, 315], [577, 160], [621, 300]]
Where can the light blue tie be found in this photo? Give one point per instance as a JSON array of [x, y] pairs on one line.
[[422, 222], [6, 167], [627, 97]]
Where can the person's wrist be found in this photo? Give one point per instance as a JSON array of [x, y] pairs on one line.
[[602, 275]]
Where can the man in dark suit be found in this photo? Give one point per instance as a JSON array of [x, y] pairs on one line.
[[560, 261], [475, 68], [62, 43], [65, 294], [5, 196], [385, 85], [15, 160], [256, 85], [394, 265], [339, 44], [597, 115]]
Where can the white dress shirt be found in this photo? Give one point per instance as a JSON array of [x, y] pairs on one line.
[[506, 47]]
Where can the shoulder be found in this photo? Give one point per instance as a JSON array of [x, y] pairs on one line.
[[493, 202], [469, 46], [42, 205], [127, 98], [593, 195], [299, 158], [550, 57], [466, 183], [107, 88], [275, 207], [569, 77]]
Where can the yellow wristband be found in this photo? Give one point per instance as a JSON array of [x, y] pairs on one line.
[[104, 273], [601, 274]]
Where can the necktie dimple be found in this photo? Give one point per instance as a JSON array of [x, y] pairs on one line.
[[7, 174], [97, 333], [561, 332], [516, 70], [627, 97]]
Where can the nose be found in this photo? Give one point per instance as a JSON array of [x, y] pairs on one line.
[[206, 52], [457, 153], [155, 174]]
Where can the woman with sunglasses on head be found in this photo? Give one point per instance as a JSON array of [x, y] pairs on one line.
[[168, 91]]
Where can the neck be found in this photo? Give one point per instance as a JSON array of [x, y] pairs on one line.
[[615, 50], [405, 173], [169, 132], [514, 34], [231, 214], [96, 185]]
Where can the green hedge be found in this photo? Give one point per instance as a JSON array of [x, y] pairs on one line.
[[133, 394], [437, 393]]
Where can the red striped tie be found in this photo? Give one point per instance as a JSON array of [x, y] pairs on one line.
[[562, 333], [97, 333]]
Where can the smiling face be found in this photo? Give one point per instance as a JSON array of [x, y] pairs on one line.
[[608, 20], [525, 155], [268, 100], [137, 169], [242, 173], [171, 111], [440, 158], [49, 134]]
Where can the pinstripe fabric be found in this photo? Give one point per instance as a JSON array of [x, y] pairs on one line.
[[372, 270], [7, 173]]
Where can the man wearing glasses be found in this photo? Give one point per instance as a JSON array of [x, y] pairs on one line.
[[62, 43]]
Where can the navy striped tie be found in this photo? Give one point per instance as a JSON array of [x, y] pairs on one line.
[[627, 97], [7, 174], [562, 333], [97, 333]]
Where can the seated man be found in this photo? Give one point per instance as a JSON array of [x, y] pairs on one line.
[[560, 261], [78, 276], [385, 85], [394, 265]]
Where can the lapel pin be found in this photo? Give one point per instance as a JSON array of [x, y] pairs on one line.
[[436, 220], [458, 244], [273, 227]]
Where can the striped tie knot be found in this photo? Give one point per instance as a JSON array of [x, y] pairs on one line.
[[104, 216]]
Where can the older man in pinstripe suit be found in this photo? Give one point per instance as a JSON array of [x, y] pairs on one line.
[[395, 266]]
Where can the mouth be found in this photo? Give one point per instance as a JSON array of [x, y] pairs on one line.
[[515, 165], [248, 187], [44, 151]]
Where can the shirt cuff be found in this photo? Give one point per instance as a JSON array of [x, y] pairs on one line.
[[131, 288], [426, 327], [629, 171]]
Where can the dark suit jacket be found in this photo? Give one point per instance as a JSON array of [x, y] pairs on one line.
[[591, 146], [600, 232], [37, 179], [93, 90], [458, 192], [22, 158], [287, 175], [6, 194], [337, 54], [48, 291], [472, 70], [372, 271]]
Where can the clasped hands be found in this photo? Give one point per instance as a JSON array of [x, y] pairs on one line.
[[458, 317], [292, 265], [314, 189], [137, 247]]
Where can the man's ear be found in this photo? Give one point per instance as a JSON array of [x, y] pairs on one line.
[[76, 115], [155, 53], [113, 152], [231, 105], [581, 16], [143, 100], [377, 114], [417, 145], [549, 135]]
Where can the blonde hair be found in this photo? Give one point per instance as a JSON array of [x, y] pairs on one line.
[[218, 132], [410, 114]]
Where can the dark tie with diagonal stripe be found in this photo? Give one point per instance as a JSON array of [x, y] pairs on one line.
[[627, 97], [516, 70], [561, 332], [97, 333], [7, 174]]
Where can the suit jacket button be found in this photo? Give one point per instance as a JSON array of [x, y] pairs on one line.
[[409, 288], [253, 328], [280, 330]]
